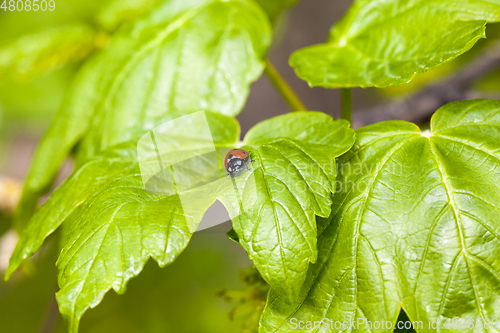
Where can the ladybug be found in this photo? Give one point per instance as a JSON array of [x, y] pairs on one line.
[[236, 160]]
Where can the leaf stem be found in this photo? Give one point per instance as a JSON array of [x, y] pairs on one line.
[[284, 88], [346, 103]]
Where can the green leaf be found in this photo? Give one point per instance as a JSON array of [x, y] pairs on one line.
[[294, 176], [415, 223], [116, 12], [119, 225], [185, 56], [113, 239], [33, 55], [315, 128], [383, 43]]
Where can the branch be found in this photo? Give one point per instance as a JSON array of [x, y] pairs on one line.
[[420, 106], [283, 88]]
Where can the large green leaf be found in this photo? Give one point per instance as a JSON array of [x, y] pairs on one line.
[[382, 43], [415, 223], [294, 179], [185, 56]]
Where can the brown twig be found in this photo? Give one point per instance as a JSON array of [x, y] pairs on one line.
[[425, 102]]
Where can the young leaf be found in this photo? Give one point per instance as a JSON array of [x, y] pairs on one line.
[[382, 43], [185, 56], [294, 175], [415, 224]]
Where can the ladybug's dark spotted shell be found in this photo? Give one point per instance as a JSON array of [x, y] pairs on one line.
[[236, 160]]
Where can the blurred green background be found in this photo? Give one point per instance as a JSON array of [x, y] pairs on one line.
[[39, 54]]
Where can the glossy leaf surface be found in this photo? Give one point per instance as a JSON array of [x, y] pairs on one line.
[[415, 224], [383, 43]]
